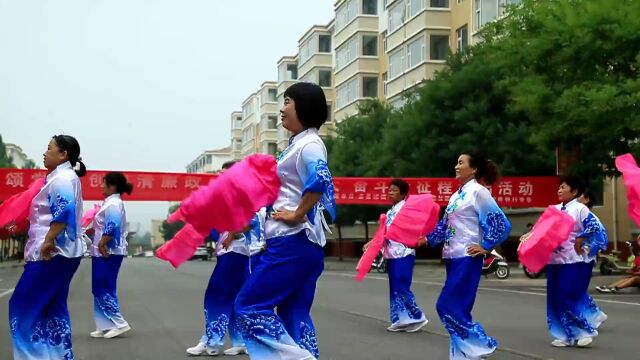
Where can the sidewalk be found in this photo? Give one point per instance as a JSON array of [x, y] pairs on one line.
[[8, 264]]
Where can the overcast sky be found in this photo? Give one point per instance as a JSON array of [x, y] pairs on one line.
[[142, 84]]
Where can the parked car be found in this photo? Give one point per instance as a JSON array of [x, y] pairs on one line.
[[147, 253], [201, 253]]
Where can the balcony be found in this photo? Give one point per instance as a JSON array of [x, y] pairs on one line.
[[430, 19], [368, 23]]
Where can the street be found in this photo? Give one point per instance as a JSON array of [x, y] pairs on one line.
[[164, 308]]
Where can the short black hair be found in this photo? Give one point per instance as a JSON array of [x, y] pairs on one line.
[[229, 164], [589, 194], [402, 185], [118, 180], [575, 183], [310, 103]]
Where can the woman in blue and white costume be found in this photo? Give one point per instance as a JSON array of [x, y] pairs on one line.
[[404, 311], [108, 250], [566, 315], [38, 313], [294, 258], [236, 255], [591, 247], [472, 225]]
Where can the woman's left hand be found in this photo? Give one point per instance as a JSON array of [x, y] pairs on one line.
[[422, 241], [476, 250], [288, 217], [102, 248], [578, 246]]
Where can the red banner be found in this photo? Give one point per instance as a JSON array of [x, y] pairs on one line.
[[517, 192], [153, 186], [147, 186]]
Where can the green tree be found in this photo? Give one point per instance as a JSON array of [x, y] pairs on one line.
[[353, 151], [29, 164], [465, 107], [5, 160], [168, 230], [575, 73]]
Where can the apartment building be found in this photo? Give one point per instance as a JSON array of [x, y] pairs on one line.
[[210, 161], [357, 54], [417, 41], [315, 65], [236, 135], [287, 76], [260, 121]]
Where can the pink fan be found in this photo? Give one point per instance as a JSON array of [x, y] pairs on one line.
[[181, 247], [551, 230], [176, 216], [417, 217], [627, 165], [229, 202], [13, 229], [89, 215], [364, 265], [15, 210]]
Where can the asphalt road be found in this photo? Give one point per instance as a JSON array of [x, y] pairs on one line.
[[164, 307]]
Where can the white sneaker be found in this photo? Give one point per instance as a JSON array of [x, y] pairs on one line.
[[97, 334], [415, 326], [116, 332], [203, 349], [584, 342], [559, 343], [395, 328], [236, 350]]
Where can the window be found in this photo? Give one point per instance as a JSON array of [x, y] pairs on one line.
[[370, 7], [415, 52], [292, 72], [272, 95], [345, 14], [237, 123], [247, 110], [485, 11], [439, 3], [324, 43], [478, 14], [272, 122], [385, 77], [209, 159], [347, 93], [324, 78], [305, 52], [310, 77], [462, 35], [329, 113], [237, 145], [413, 8], [369, 45], [370, 87], [503, 6], [396, 16], [439, 47], [396, 63], [347, 53]]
